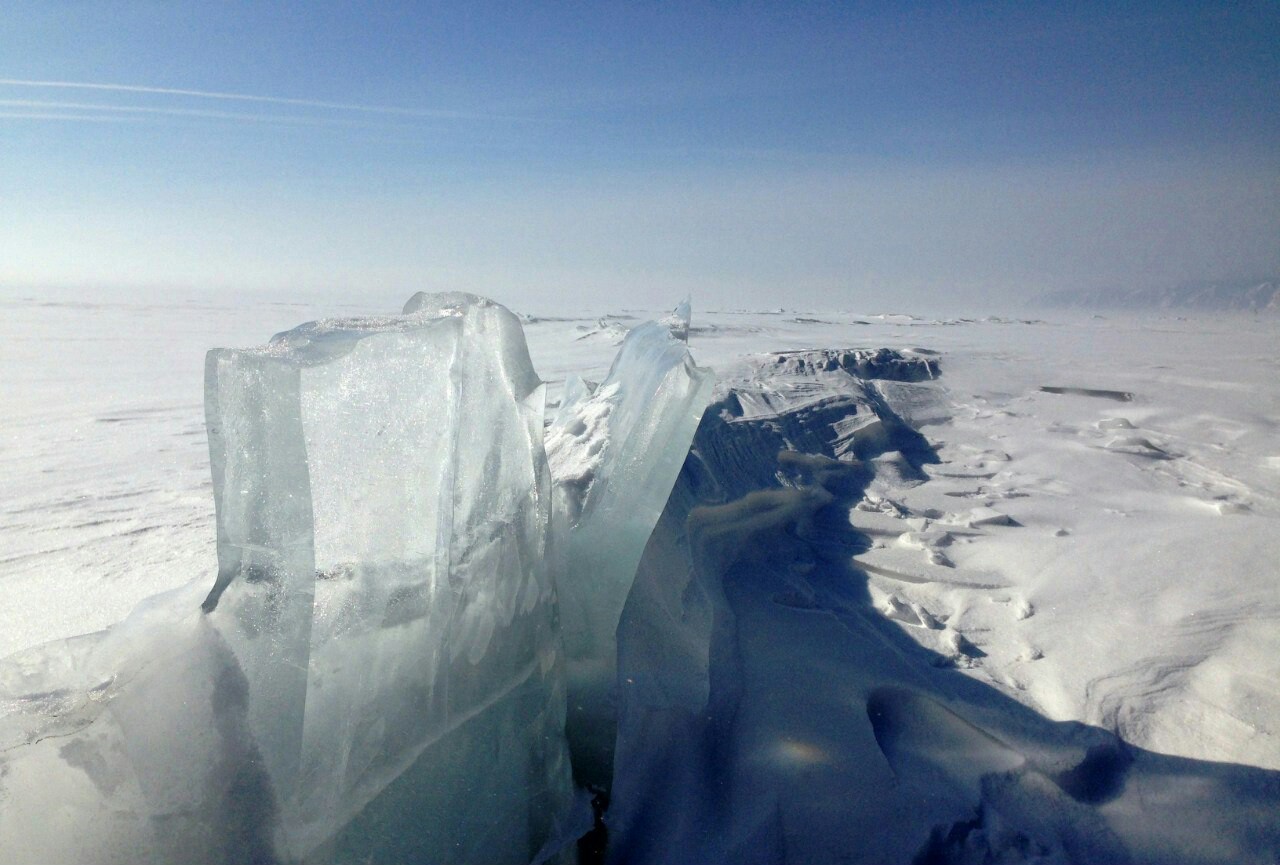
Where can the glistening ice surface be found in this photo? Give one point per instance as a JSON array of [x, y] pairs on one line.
[[376, 674], [615, 451], [349, 448]]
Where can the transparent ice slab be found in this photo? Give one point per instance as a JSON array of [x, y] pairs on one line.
[[615, 451], [383, 498]]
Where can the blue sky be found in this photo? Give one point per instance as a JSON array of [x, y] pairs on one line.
[[601, 154]]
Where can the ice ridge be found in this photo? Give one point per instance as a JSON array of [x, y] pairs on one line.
[[378, 673]]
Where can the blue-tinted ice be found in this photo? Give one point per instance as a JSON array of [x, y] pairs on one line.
[[385, 576], [615, 451], [376, 674]]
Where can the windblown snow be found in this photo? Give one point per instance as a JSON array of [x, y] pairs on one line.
[[878, 589]]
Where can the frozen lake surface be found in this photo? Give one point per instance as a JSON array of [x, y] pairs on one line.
[[1096, 537]]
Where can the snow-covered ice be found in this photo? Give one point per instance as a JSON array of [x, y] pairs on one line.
[[800, 678], [1008, 592]]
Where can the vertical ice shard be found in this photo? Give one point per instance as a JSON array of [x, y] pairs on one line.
[[615, 452], [383, 502], [679, 319]]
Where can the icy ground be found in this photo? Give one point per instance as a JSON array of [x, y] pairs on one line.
[[1087, 529]]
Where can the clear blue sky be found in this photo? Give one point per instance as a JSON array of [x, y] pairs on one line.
[[558, 155]]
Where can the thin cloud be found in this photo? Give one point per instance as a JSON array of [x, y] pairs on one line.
[[50, 115], [423, 113], [102, 110]]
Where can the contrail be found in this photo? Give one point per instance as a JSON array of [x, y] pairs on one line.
[[127, 110], [42, 115], [247, 97]]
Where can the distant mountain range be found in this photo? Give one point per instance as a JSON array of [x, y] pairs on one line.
[[1253, 296]]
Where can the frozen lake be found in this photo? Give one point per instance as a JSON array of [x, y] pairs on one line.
[[1097, 540]]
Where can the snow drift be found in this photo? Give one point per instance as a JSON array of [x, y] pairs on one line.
[[771, 712]]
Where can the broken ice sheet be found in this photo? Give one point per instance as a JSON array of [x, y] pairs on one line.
[[615, 452], [375, 674], [382, 576]]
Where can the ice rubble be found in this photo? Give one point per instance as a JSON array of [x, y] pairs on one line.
[[382, 576], [377, 673]]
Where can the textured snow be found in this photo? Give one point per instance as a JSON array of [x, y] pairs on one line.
[[785, 686]]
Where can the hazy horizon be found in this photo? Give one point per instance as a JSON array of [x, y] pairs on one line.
[[616, 156]]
